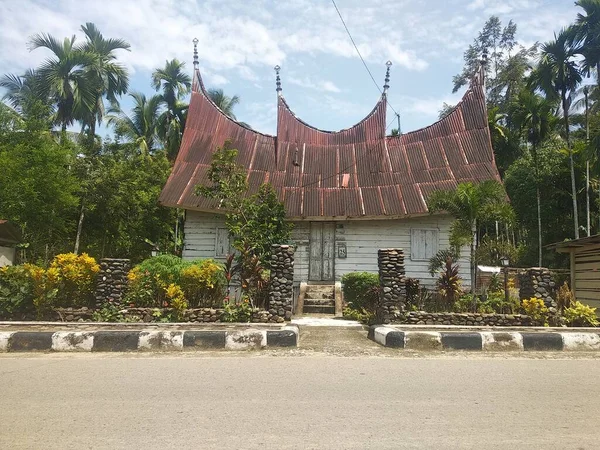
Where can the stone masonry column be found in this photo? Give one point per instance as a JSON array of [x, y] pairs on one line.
[[112, 280], [281, 286], [391, 283], [538, 282]]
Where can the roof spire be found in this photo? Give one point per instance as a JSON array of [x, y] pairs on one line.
[[386, 86], [278, 80], [196, 63]]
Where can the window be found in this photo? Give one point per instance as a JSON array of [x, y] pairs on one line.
[[423, 244], [222, 245]]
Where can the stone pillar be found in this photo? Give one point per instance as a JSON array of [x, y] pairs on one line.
[[112, 280], [538, 282], [392, 285], [281, 286]]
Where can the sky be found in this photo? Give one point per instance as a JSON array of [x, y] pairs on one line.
[[323, 79]]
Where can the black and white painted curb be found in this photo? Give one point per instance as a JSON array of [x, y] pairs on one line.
[[149, 340], [485, 340]]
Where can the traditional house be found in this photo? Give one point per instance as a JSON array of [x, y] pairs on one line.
[[349, 192]]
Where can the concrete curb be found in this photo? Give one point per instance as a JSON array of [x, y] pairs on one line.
[[147, 340], [485, 340]]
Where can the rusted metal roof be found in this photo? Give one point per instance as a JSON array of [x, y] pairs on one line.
[[353, 173]]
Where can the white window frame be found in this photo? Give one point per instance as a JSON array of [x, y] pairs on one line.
[[436, 244]]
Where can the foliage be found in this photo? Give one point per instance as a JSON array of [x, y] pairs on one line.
[[361, 315], [580, 315], [168, 281], [17, 292], [438, 261], [564, 297], [255, 222], [108, 312], [536, 309], [413, 288], [237, 312], [360, 289], [74, 278], [449, 282], [490, 251], [492, 303]]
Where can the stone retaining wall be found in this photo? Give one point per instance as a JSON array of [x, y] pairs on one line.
[[196, 315], [392, 294], [505, 320], [112, 280], [281, 286]]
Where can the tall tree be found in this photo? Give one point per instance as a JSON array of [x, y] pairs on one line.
[[224, 102], [470, 204], [21, 91], [175, 84], [586, 34], [533, 115], [64, 78], [558, 75], [109, 78], [141, 126]]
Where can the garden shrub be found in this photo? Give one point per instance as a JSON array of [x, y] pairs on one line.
[[361, 315], [413, 288], [74, 277], [564, 297], [237, 312], [157, 282], [536, 309], [449, 282], [491, 303], [17, 292], [360, 289], [580, 315]]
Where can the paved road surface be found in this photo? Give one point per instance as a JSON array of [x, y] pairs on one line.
[[191, 401]]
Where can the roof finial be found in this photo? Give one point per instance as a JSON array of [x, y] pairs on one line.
[[196, 63], [278, 80], [386, 86]]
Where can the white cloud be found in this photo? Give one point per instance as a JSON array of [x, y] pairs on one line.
[[318, 85], [429, 106]]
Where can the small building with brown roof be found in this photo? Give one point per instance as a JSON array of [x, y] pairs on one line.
[[349, 192]]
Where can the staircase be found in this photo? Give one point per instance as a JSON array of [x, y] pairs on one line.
[[319, 299]]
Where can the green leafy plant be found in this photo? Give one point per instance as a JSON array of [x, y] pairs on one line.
[[580, 315], [237, 312], [360, 315], [360, 289], [203, 283], [564, 298], [16, 292], [109, 312], [449, 282], [536, 309]]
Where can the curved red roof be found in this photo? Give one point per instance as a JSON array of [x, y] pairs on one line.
[[353, 173]]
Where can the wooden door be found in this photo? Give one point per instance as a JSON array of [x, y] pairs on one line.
[[322, 251]]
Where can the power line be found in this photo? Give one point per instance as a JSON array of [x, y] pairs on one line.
[[359, 55]]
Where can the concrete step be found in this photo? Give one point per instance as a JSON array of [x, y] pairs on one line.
[[319, 294], [308, 309], [319, 302]]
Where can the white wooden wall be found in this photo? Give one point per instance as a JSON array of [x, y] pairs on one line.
[[362, 240]]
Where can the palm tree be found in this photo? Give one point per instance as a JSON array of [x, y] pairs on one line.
[[64, 79], [224, 102], [141, 126], [533, 115], [470, 204], [586, 34], [557, 75], [20, 90], [175, 84], [110, 79]]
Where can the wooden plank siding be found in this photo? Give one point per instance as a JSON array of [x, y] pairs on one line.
[[361, 238], [587, 274]]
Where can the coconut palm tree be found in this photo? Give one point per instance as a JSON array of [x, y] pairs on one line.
[[64, 79], [557, 75], [470, 204], [175, 84], [110, 79], [20, 90], [534, 116], [141, 126], [224, 102], [586, 34]]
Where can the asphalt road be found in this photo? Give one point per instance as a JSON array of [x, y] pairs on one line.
[[191, 401]]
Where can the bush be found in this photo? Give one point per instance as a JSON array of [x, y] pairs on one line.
[[580, 315], [361, 315], [360, 289], [17, 292], [237, 312], [449, 282], [492, 303], [74, 278], [536, 309], [201, 282], [564, 297]]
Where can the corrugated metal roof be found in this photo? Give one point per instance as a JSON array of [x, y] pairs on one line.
[[352, 173]]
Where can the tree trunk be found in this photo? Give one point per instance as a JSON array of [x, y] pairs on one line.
[[587, 163], [572, 166], [79, 227], [539, 217], [473, 245]]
